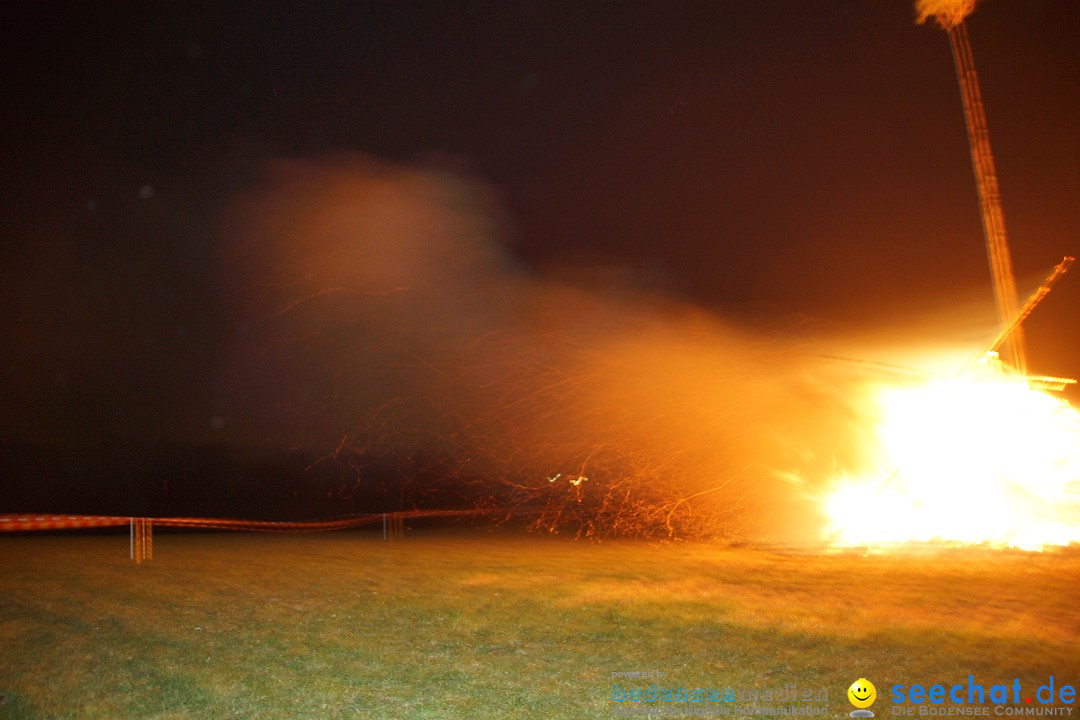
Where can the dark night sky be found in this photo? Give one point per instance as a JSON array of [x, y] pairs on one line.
[[760, 158]]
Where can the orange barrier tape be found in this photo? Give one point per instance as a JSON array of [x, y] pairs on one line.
[[58, 522], [17, 523], [267, 526]]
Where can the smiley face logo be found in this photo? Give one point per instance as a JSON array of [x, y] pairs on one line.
[[862, 693]]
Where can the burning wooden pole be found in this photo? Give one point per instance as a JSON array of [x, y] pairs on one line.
[[950, 15]]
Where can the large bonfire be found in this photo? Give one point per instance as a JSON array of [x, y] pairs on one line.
[[990, 455]]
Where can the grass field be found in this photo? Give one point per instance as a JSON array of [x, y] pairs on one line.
[[465, 624]]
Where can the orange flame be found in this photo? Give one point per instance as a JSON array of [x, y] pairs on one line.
[[986, 458]]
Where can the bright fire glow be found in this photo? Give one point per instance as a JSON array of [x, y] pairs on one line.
[[986, 458]]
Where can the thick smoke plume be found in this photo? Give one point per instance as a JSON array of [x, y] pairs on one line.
[[383, 323]]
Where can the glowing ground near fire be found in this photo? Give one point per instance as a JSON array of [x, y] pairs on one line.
[[470, 624]]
